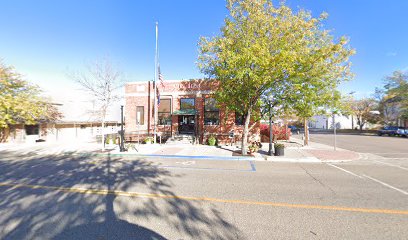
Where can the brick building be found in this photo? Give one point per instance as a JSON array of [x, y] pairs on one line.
[[186, 107]]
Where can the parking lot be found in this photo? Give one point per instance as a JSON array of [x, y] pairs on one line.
[[103, 196]]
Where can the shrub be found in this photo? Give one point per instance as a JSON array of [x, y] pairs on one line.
[[148, 140], [130, 147], [107, 139], [254, 146], [212, 140], [279, 132], [279, 145]]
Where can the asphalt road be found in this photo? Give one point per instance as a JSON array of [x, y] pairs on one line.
[[75, 196], [385, 146]]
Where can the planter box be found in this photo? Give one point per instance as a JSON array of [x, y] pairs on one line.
[[279, 151]]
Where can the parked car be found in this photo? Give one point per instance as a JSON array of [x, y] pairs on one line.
[[403, 132], [391, 131]]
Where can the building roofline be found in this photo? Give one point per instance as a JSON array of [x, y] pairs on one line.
[[83, 122], [180, 80]]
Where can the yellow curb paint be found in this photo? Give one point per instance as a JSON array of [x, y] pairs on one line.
[[153, 195]]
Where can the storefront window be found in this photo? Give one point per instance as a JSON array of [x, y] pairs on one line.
[[211, 112], [187, 103], [164, 113]]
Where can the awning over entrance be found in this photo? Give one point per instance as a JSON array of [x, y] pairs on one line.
[[185, 112]]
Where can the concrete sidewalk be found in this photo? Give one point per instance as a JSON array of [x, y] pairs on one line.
[[314, 152], [294, 151], [188, 151]]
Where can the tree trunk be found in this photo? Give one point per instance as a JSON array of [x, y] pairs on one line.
[[352, 122], [306, 140], [4, 133], [103, 135], [244, 141], [360, 123]]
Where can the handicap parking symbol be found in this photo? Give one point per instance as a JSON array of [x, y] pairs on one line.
[[186, 162]]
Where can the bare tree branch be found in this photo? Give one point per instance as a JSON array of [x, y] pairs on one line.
[[102, 80]]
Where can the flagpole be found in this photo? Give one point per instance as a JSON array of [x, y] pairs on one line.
[[154, 84]]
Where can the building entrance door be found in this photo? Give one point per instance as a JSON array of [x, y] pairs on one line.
[[186, 124]]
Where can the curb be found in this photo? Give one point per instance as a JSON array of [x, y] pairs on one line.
[[304, 160], [283, 159], [337, 161]]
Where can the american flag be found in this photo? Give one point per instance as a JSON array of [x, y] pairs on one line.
[[158, 96], [161, 78]]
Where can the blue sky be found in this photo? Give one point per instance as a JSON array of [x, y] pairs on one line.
[[46, 39]]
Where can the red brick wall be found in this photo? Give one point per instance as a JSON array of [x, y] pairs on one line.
[[139, 94]]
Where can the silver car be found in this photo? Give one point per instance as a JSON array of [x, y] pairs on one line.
[[403, 132]]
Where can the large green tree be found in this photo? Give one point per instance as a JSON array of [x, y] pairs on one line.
[[22, 102], [261, 47], [322, 64]]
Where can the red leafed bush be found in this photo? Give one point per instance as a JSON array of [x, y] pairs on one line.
[[279, 132]]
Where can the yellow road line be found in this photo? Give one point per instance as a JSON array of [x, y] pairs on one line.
[[154, 195]]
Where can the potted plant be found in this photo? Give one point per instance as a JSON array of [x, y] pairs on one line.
[[130, 147], [212, 140], [279, 149], [254, 147]]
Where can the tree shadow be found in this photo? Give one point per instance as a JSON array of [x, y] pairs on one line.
[[111, 227], [53, 211]]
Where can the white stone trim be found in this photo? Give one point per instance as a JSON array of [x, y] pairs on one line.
[[136, 95], [146, 81], [177, 93]]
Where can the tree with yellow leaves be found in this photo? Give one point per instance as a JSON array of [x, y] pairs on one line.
[[22, 102]]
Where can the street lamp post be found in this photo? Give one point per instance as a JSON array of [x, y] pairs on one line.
[[270, 127]]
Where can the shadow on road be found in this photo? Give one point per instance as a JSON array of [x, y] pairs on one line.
[[40, 213]]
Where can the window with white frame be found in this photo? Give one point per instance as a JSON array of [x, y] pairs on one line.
[[211, 112], [164, 112]]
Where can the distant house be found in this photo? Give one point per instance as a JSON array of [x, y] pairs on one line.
[[342, 122], [326, 122]]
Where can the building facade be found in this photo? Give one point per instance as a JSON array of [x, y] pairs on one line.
[[326, 122], [79, 124], [184, 107], [342, 122], [68, 132]]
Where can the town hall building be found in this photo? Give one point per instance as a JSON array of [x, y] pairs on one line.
[[185, 107]]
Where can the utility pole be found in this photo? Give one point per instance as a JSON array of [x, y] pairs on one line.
[[155, 83], [122, 135], [334, 130]]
